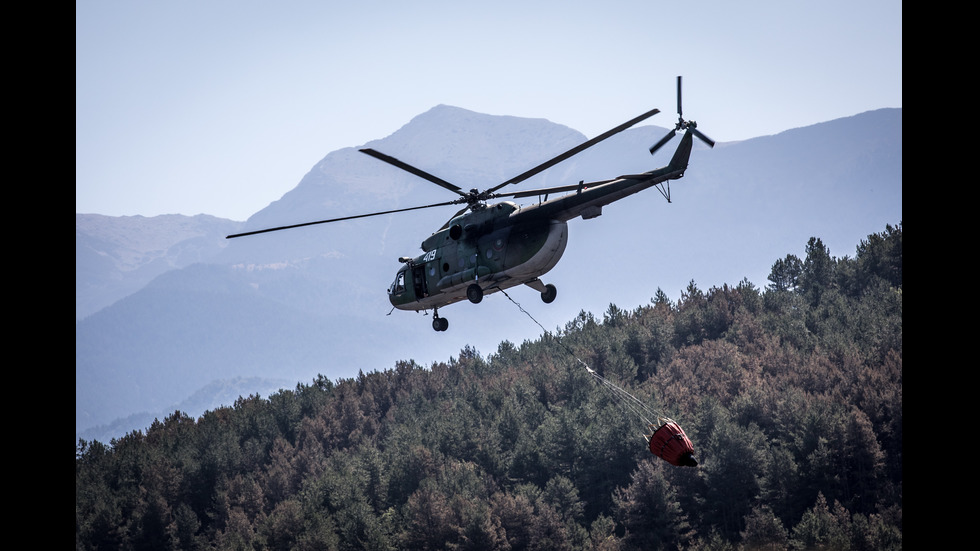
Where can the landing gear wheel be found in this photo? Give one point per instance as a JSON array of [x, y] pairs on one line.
[[475, 293], [549, 293], [440, 324]]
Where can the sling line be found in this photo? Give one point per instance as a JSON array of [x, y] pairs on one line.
[[631, 403]]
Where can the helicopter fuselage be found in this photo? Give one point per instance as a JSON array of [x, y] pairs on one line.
[[495, 248], [503, 245], [487, 247]]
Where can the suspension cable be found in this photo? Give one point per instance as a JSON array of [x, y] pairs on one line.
[[629, 402]]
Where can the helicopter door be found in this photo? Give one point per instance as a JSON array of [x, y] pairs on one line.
[[418, 279]]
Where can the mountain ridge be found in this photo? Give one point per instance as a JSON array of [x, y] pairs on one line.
[[308, 302], [116, 256]]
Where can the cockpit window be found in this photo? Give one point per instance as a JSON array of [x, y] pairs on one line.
[[399, 285]]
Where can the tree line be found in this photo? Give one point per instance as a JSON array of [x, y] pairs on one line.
[[792, 396]]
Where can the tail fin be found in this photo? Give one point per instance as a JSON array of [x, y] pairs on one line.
[[683, 153]]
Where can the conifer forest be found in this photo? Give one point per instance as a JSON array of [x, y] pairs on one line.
[[791, 395]]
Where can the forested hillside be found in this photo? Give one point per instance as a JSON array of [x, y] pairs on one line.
[[791, 395]]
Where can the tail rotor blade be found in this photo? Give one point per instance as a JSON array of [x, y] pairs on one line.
[[662, 141], [679, 114], [705, 139], [690, 126]]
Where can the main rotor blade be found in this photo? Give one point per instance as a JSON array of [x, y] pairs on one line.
[[340, 219], [575, 150], [416, 171], [547, 190]]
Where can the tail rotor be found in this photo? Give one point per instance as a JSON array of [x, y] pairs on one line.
[[690, 126]]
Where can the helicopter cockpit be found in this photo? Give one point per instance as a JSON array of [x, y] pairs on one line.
[[398, 286]]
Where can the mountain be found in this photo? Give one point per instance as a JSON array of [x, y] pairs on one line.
[[116, 256], [295, 304]]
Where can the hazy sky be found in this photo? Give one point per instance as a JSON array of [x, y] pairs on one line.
[[221, 106]]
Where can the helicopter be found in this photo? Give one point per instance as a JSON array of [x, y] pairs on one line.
[[485, 248]]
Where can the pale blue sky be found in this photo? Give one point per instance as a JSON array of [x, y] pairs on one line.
[[221, 106]]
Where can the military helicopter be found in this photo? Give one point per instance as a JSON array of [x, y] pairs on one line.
[[485, 248]]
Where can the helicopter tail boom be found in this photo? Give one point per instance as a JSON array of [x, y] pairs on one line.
[[589, 198]]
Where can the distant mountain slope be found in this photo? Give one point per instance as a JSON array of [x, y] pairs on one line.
[[294, 304], [116, 256]]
